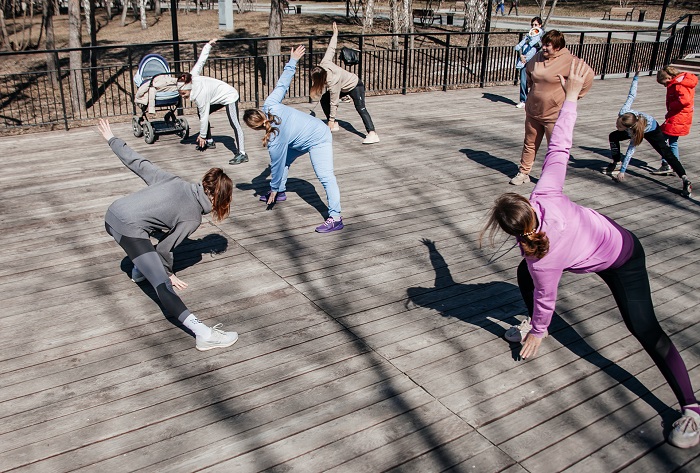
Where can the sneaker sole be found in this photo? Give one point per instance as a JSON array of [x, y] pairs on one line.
[[216, 346], [334, 229], [689, 444], [138, 280]]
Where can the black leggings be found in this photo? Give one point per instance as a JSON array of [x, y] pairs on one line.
[[656, 139], [232, 113], [630, 287], [358, 97], [143, 254]]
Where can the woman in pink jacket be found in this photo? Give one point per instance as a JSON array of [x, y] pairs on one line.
[[680, 97], [557, 235]]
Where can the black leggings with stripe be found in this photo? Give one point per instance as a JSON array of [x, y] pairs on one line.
[[143, 254]]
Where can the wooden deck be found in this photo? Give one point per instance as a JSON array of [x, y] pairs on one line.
[[375, 348]]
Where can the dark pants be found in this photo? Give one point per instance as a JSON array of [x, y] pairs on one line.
[[358, 97], [656, 139], [629, 285], [513, 5], [232, 113], [143, 254]]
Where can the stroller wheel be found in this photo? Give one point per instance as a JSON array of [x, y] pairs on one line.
[[149, 133], [184, 131], [136, 126]]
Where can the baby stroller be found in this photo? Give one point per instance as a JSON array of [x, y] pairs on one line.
[[157, 90]]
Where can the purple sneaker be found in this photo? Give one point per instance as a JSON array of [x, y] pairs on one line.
[[330, 225], [280, 197]]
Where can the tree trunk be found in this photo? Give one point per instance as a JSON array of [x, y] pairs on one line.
[[274, 47], [542, 7], [125, 6], [142, 11], [551, 9], [51, 65], [156, 6], [108, 6], [368, 19], [475, 20], [77, 87], [5, 36], [88, 26]]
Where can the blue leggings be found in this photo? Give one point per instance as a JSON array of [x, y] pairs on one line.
[[143, 254]]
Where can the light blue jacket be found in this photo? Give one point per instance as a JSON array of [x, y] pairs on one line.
[[627, 108], [298, 131], [528, 48]]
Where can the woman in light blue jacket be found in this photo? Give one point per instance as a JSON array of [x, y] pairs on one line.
[[527, 48], [290, 134]]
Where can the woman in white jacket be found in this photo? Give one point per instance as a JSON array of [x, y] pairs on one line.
[[211, 95]]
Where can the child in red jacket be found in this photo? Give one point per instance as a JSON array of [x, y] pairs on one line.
[[680, 95]]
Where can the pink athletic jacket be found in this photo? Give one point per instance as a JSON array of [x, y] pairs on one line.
[[580, 239]]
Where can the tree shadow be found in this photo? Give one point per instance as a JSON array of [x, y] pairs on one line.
[[496, 300], [260, 184], [504, 166], [498, 99]]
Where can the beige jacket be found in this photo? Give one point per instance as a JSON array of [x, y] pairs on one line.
[[546, 94], [338, 79], [146, 93]]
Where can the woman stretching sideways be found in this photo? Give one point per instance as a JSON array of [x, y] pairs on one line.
[[174, 206], [556, 235], [290, 134]]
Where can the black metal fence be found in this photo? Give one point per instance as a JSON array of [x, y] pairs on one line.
[[389, 64]]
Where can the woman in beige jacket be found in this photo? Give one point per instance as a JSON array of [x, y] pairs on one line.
[[340, 83]]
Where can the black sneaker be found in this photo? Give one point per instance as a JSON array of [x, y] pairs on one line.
[[239, 158], [612, 167], [664, 170], [687, 188]]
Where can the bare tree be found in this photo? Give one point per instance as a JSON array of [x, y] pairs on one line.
[[274, 47], [142, 12], [48, 7], [3, 29], [549, 14], [368, 20], [87, 8], [474, 19], [156, 6], [77, 86]]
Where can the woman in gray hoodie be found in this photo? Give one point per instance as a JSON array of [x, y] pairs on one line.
[[175, 207]]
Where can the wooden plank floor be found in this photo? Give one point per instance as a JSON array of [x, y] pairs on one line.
[[375, 348]]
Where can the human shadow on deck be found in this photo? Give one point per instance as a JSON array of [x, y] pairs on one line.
[[472, 302], [498, 99], [261, 185], [488, 160]]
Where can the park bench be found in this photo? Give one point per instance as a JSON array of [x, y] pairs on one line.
[[622, 12], [426, 16]]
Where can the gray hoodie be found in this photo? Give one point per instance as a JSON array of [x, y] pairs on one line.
[[169, 204]]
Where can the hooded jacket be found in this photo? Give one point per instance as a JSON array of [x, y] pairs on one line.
[[680, 96], [546, 94]]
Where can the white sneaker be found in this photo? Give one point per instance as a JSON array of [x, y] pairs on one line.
[[520, 105], [685, 432], [137, 276], [218, 339], [371, 139], [520, 179], [516, 334]]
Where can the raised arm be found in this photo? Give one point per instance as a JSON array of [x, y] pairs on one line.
[[285, 79], [203, 56], [554, 167], [332, 45], [146, 170], [627, 106]]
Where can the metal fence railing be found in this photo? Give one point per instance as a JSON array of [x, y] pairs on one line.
[[389, 64]]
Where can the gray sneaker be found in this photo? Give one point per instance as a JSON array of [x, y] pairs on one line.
[[685, 432], [137, 276], [516, 334], [520, 179], [218, 339], [664, 170]]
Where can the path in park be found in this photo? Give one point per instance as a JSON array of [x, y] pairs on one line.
[[375, 348]]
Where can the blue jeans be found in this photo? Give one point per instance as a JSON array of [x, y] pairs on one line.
[[523, 85], [322, 161], [673, 144]]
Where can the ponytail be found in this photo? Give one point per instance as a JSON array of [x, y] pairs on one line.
[[219, 188], [318, 82], [513, 214], [259, 120], [636, 124]]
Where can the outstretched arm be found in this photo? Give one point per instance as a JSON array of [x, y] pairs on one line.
[[332, 45], [146, 170], [627, 106], [285, 79], [554, 167], [203, 56]]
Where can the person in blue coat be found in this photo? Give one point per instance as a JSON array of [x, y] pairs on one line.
[[290, 134], [526, 49]]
